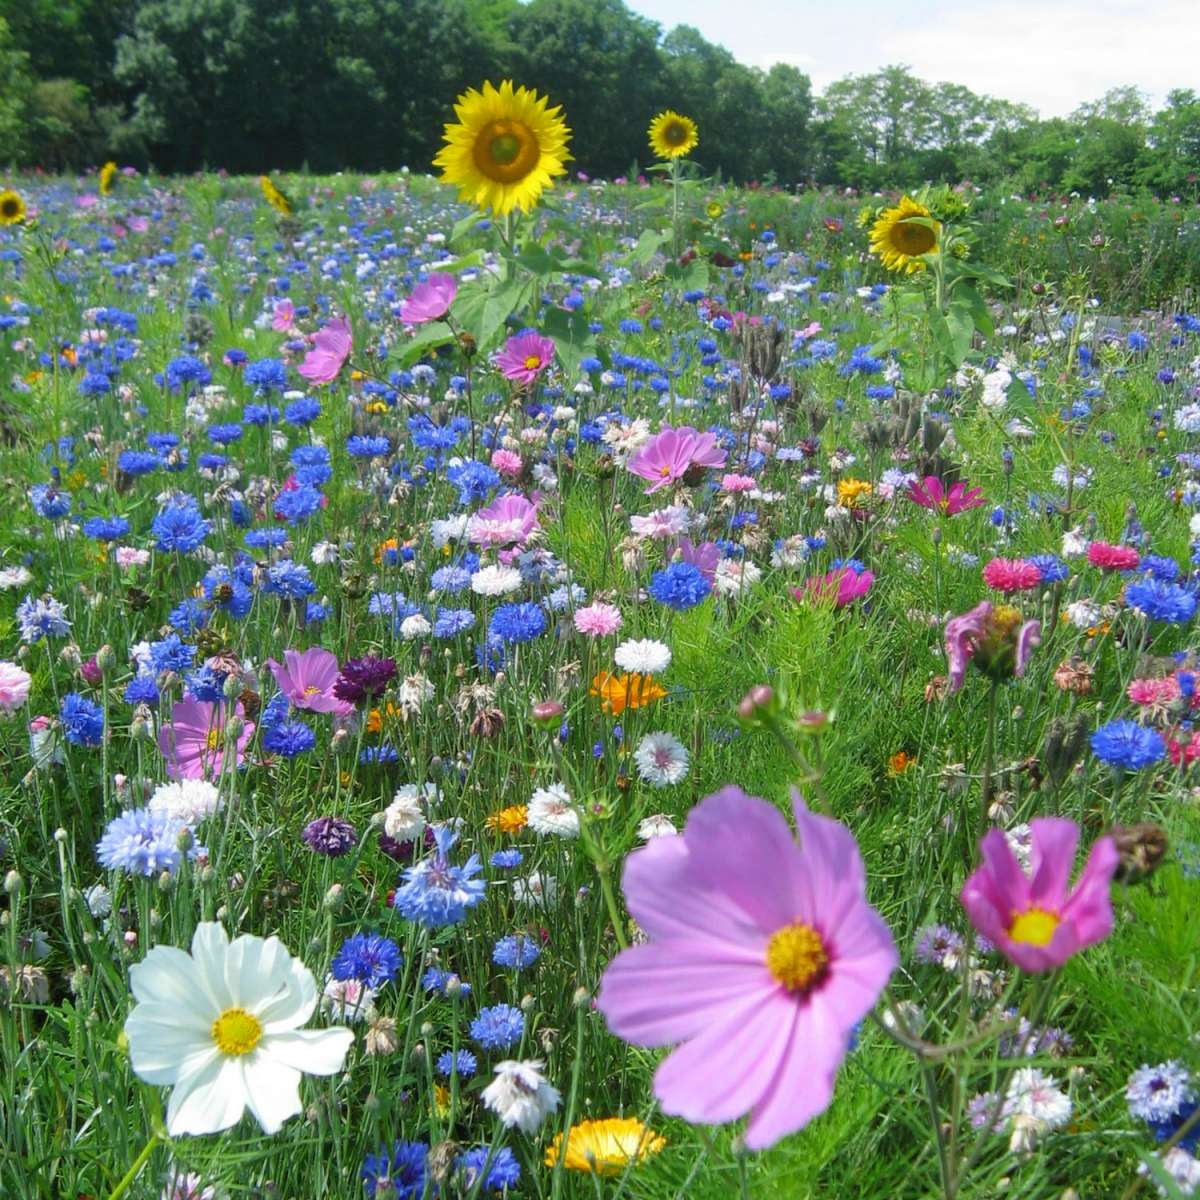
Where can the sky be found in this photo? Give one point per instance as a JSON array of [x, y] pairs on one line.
[[1051, 54]]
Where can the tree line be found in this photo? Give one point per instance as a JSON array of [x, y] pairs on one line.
[[252, 85]]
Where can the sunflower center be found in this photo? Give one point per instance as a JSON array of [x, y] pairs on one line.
[[796, 957], [10, 207], [236, 1032], [675, 134], [506, 151], [214, 739], [913, 239], [532, 362], [1034, 927]]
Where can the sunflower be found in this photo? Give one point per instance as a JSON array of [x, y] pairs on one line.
[[505, 149], [605, 1147], [274, 197], [12, 208], [673, 136], [899, 240], [108, 173]]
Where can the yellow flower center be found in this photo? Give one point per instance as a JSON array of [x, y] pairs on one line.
[[214, 739], [1005, 618], [675, 134], [311, 690], [913, 239], [236, 1032], [506, 151], [1034, 927], [532, 362], [664, 471], [10, 207], [796, 957]]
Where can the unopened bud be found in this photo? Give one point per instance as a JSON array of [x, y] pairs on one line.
[[334, 898], [547, 713], [13, 883]]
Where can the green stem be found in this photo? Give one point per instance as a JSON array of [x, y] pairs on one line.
[[989, 757], [135, 1169]]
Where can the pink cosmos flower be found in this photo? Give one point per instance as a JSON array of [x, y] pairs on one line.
[[705, 557], [193, 741], [1113, 558], [525, 357], [139, 224], [671, 453], [930, 493], [1036, 920], [507, 520], [995, 638], [598, 620], [14, 687], [284, 316], [331, 348], [307, 680], [842, 586], [762, 956], [1010, 575], [430, 301]]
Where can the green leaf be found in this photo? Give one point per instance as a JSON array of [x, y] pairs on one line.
[[572, 336], [464, 225], [648, 246], [426, 338], [967, 296], [960, 325]]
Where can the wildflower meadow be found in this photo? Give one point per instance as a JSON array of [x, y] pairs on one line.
[[522, 685]]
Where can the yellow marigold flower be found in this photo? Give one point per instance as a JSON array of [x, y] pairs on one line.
[[605, 1147], [619, 692], [899, 241], [108, 173], [714, 210], [505, 149], [441, 1099], [900, 762], [673, 135], [849, 491], [274, 197], [375, 717], [12, 208], [509, 820]]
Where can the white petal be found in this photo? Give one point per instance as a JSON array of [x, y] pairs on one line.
[[161, 1049], [255, 968], [210, 944], [272, 1090], [313, 1051], [166, 975], [293, 1006], [208, 1100]]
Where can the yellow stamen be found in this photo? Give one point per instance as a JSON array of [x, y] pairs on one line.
[[796, 957], [1034, 927], [236, 1032], [214, 739], [532, 362]]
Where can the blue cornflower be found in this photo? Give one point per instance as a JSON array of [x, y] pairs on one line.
[[370, 958], [1163, 1130], [451, 622], [289, 738], [398, 1173], [1127, 744], [297, 504], [142, 689], [464, 1061], [265, 539], [498, 1027], [506, 860], [517, 623], [267, 375], [503, 1173], [180, 527], [206, 684], [172, 654], [260, 414], [361, 446], [137, 462], [224, 434], [106, 529], [435, 980], [142, 841], [474, 480], [83, 720], [229, 590], [188, 616], [1162, 601], [303, 411], [187, 369], [1050, 566], [274, 712], [1160, 567], [316, 475], [435, 892], [680, 586], [1137, 342], [290, 580], [516, 951], [43, 617], [450, 579], [50, 501]]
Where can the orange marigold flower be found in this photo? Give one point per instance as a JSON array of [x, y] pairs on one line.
[[619, 692], [900, 762], [509, 820]]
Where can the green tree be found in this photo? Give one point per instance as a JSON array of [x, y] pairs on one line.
[[15, 84]]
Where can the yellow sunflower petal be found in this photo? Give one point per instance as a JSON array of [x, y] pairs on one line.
[[673, 135]]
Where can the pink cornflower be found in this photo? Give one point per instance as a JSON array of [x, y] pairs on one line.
[[672, 453], [507, 520], [284, 316], [738, 483], [663, 523], [1183, 748], [598, 620], [193, 741], [307, 680], [131, 556], [331, 348], [762, 956], [1036, 920], [507, 462], [995, 639], [525, 357], [431, 300], [930, 493], [1154, 693], [1009, 575], [14, 687], [1112, 558], [842, 586]]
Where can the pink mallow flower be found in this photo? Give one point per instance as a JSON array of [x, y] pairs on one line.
[[840, 587], [284, 316], [673, 453], [193, 741], [598, 620], [1009, 575], [1113, 558], [995, 639], [331, 348], [1036, 920], [430, 301], [525, 357], [307, 680], [930, 493], [762, 956], [505, 521], [14, 687]]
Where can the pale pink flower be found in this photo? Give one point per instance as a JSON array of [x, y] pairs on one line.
[[284, 316], [598, 620], [128, 557], [508, 463], [431, 300], [738, 483], [14, 687], [507, 520], [331, 347]]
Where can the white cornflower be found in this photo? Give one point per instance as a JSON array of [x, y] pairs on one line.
[[1187, 419], [520, 1096], [496, 581], [414, 627], [663, 523], [404, 818], [324, 553], [536, 890], [1033, 1093], [1158, 1093], [551, 811], [1083, 614], [188, 800], [643, 657], [733, 577], [222, 1027], [662, 759], [1074, 543], [450, 529], [14, 577], [348, 1000], [413, 694], [99, 901], [655, 826], [1183, 1169]]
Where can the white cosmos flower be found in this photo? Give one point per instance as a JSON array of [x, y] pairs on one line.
[[662, 759], [551, 811], [520, 1095], [221, 1026]]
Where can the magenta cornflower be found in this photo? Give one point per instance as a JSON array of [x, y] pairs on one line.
[[762, 957], [331, 347], [839, 587], [931, 493], [995, 639], [431, 300], [307, 680], [507, 520], [1010, 575], [673, 454], [193, 741], [525, 357], [1037, 920], [1113, 558], [738, 483]]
